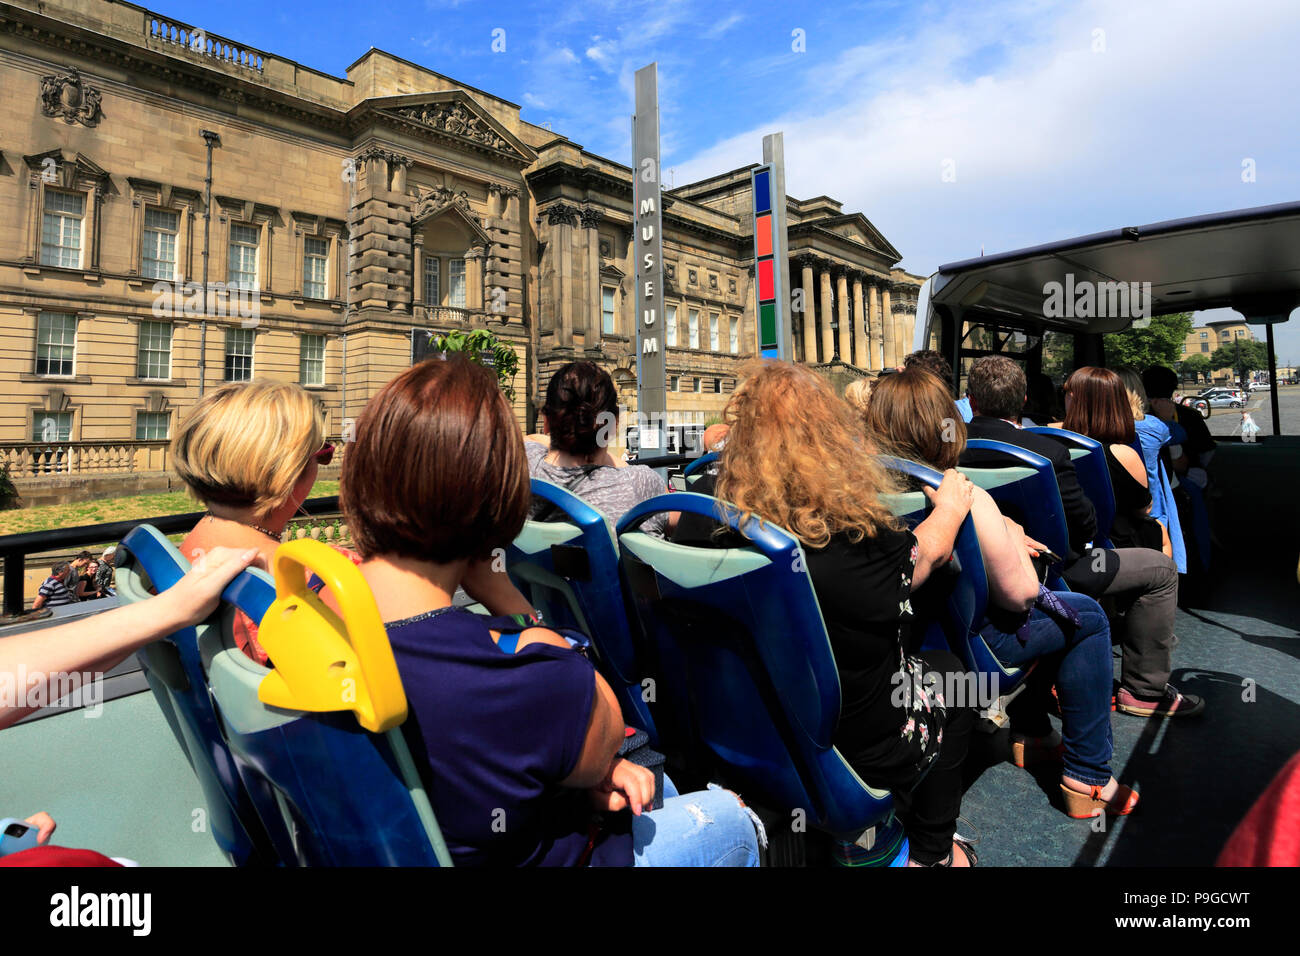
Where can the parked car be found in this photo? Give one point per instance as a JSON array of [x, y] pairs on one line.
[[1260, 386], [1223, 398]]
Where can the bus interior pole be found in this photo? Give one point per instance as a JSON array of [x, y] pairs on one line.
[[1272, 379]]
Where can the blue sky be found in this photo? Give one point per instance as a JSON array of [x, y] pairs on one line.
[[1058, 119]]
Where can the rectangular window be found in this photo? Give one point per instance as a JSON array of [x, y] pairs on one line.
[[158, 249], [734, 335], [56, 340], [670, 317], [713, 331], [311, 364], [61, 229], [673, 383], [151, 426], [1205, 335], [51, 426], [432, 277], [243, 256], [1205, 346], [693, 328], [607, 311], [315, 263], [716, 386], [155, 354], [239, 355], [699, 384], [456, 283]]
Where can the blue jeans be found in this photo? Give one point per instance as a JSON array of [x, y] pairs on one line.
[[1081, 660], [708, 828]]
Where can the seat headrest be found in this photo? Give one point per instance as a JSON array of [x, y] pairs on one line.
[[325, 662]]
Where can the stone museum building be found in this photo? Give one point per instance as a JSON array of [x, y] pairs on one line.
[[348, 215]]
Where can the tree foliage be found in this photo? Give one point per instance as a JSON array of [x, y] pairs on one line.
[[484, 348], [1243, 356], [1194, 366], [1160, 343]]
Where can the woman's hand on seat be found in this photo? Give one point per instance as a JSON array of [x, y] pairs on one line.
[[955, 493], [628, 785]]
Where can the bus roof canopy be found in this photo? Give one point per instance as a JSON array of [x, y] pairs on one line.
[[1248, 260]]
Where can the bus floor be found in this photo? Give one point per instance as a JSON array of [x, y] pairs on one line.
[[1239, 648]]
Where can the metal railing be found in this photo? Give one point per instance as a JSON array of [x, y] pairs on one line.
[[15, 548]]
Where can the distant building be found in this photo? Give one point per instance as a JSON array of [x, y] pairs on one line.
[[349, 215], [1204, 340]]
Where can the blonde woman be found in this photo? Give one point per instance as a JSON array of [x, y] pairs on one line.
[[249, 452], [797, 457]]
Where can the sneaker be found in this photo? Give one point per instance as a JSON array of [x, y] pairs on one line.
[[1173, 704]]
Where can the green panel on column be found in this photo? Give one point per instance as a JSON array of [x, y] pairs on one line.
[[767, 325]]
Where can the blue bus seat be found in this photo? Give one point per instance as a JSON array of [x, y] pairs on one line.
[[322, 731], [744, 670], [569, 571], [1089, 459], [951, 606], [698, 468], [147, 562], [1028, 494]]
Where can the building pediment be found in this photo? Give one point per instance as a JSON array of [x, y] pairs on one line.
[[451, 117], [441, 201], [854, 227], [66, 168]]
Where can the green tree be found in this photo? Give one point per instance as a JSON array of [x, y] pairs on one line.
[[1242, 356], [1194, 366], [484, 348], [1160, 343]]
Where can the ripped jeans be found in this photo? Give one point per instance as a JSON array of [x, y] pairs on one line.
[[706, 828]]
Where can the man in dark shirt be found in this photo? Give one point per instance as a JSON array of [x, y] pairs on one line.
[[1143, 582]]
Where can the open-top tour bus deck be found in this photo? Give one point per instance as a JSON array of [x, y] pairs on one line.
[[114, 777]]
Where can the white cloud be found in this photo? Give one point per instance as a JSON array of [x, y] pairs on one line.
[[1049, 139], [534, 101], [722, 26]]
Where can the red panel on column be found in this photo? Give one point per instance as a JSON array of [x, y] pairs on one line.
[[766, 288]]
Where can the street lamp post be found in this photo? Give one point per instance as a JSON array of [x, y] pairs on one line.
[[212, 140]]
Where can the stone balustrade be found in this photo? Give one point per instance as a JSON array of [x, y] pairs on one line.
[[200, 43], [49, 459]]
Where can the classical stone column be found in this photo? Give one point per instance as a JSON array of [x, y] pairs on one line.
[[861, 354], [846, 329], [591, 217], [417, 286], [562, 218], [873, 326], [892, 358], [474, 274], [809, 314], [825, 312]]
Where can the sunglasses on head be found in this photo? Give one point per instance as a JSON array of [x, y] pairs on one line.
[[325, 455]]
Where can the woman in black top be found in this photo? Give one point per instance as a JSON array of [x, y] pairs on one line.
[[796, 456]]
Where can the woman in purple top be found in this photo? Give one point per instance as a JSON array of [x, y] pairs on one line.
[[520, 743]]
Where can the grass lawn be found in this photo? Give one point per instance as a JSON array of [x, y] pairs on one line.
[[102, 510]]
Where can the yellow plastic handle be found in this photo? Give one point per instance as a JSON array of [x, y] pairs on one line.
[[324, 662]]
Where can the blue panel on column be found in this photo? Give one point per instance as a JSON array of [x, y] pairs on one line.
[[762, 192]]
